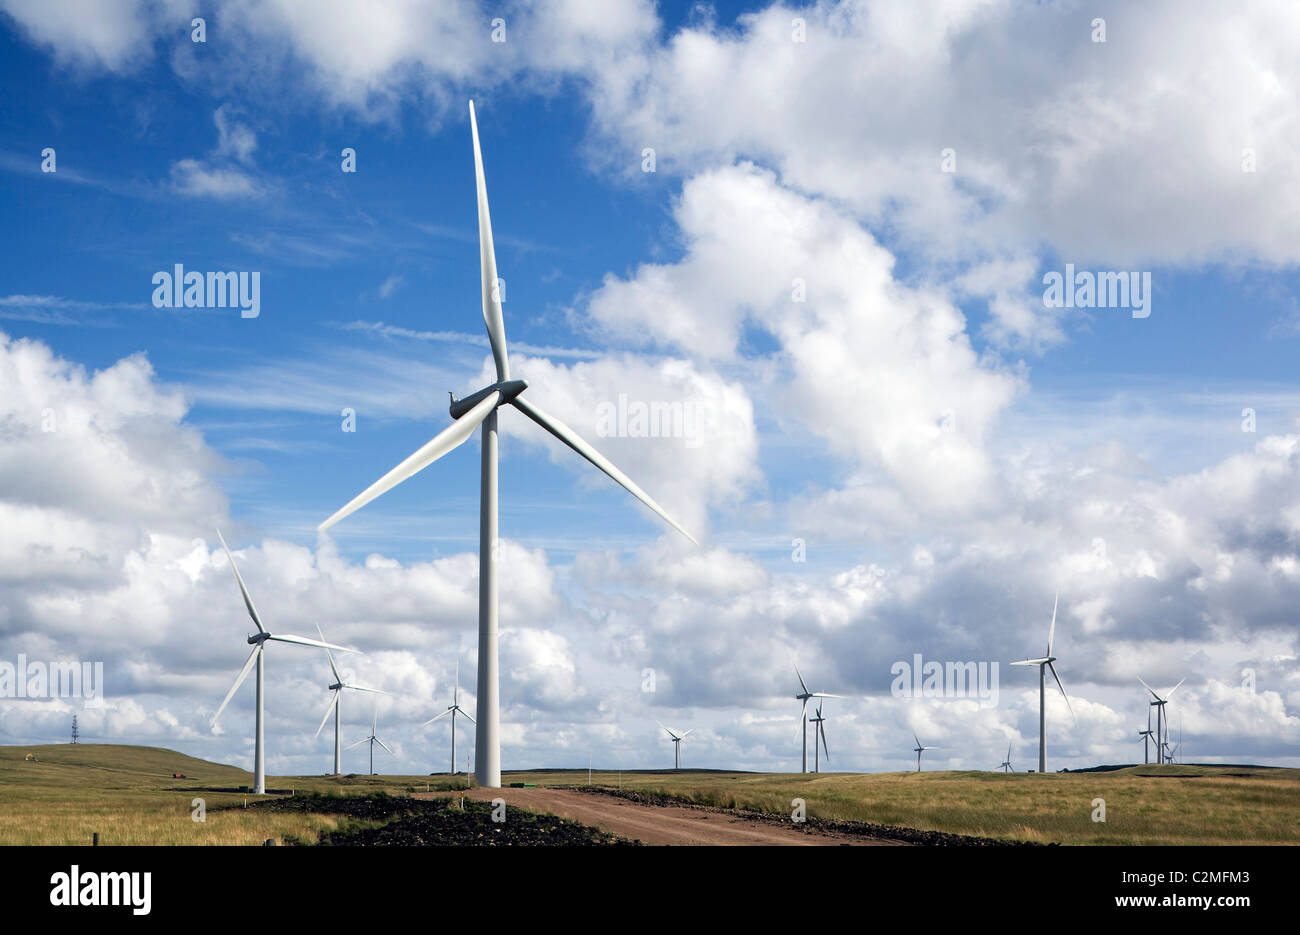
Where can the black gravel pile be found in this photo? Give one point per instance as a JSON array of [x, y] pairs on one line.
[[830, 826], [425, 822]]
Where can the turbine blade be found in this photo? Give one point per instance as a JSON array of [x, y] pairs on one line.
[[918, 741], [1030, 662], [689, 732], [1063, 694], [1052, 632], [328, 711], [802, 683], [492, 317], [248, 600], [574, 441], [1174, 689], [328, 655], [463, 714], [447, 440], [435, 717], [822, 730], [357, 744], [306, 641], [385, 746], [1150, 689], [239, 680], [362, 688]]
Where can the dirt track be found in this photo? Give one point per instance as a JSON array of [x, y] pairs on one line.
[[652, 824]]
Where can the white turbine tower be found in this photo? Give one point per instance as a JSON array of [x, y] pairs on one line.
[[1162, 723], [1044, 663], [258, 643], [1146, 738], [819, 731], [677, 744], [480, 408], [372, 740], [918, 749], [1005, 765], [453, 709], [336, 706], [804, 696]]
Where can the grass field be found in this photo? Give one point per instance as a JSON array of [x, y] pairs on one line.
[[127, 795]]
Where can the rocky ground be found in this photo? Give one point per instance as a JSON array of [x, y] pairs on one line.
[[434, 822]]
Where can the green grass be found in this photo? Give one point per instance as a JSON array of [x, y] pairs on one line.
[[128, 795]]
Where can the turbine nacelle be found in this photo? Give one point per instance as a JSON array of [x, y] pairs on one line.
[[508, 389]]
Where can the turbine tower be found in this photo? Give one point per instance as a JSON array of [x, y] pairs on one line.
[[918, 749], [677, 744], [480, 408], [1005, 765], [804, 696], [336, 705], [1044, 664], [1162, 724], [1146, 739], [819, 731], [258, 643], [453, 709], [372, 740]]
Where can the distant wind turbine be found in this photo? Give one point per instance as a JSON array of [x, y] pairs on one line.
[[336, 705], [480, 408], [918, 750], [1146, 738], [372, 740], [1161, 722], [258, 642], [804, 695], [453, 709], [819, 731], [1044, 663], [1005, 765], [677, 744]]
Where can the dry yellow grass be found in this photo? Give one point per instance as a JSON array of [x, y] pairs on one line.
[[128, 795]]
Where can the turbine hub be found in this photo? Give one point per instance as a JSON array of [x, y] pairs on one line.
[[508, 389]]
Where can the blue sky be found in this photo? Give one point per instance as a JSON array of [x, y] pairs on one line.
[[775, 159]]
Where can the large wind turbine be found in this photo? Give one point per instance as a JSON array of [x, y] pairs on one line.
[[1146, 738], [1161, 722], [918, 750], [453, 709], [1044, 664], [1005, 765], [480, 408], [804, 696], [336, 705], [372, 740], [677, 744], [258, 642], [819, 731]]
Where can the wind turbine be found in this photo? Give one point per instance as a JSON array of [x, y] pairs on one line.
[[480, 408], [1044, 664], [1161, 724], [372, 740], [1146, 738], [819, 730], [1005, 765], [453, 709], [677, 744], [336, 705], [803, 696], [918, 750], [258, 642]]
